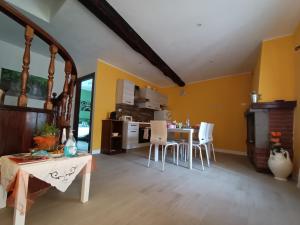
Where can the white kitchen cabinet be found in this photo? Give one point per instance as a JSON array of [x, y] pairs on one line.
[[147, 93], [163, 115], [130, 135], [125, 92], [153, 99], [149, 105]]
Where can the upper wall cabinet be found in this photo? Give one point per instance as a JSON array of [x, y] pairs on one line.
[[154, 100], [125, 92]]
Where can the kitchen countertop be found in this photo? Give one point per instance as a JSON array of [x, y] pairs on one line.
[[140, 122], [144, 122]]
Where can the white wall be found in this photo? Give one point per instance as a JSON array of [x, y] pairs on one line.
[[11, 57]]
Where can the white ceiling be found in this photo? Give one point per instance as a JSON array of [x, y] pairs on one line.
[[198, 39], [43, 9]]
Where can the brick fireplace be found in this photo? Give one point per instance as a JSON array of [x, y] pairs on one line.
[[262, 118]]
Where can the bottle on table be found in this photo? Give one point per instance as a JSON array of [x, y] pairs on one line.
[[188, 125], [70, 148], [64, 136]]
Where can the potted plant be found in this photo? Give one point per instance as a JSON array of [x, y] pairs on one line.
[[279, 162], [47, 137]]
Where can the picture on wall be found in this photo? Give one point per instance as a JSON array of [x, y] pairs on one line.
[[11, 81]]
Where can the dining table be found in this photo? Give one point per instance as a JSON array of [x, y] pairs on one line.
[[190, 132], [57, 172]]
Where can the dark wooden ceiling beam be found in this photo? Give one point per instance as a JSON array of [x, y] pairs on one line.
[[110, 17]]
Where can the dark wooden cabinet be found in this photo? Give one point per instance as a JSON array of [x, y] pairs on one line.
[[111, 144], [263, 118], [17, 127]]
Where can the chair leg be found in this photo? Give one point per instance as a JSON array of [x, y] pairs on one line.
[[181, 151], [164, 152], [174, 152], [201, 158], [187, 152], [184, 155], [149, 155], [177, 148], [213, 150], [207, 155]]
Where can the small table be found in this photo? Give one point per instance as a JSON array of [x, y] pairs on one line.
[[58, 172], [190, 132]]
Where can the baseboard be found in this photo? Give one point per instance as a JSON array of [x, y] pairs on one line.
[[96, 151], [232, 152]]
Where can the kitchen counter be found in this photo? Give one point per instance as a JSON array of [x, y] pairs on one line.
[[133, 134]]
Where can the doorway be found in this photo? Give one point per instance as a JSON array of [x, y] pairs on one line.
[[83, 114]]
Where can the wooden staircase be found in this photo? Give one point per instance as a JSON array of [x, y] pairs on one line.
[[19, 123]]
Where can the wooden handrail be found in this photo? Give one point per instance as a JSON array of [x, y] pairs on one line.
[[61, 106], [14, 14]]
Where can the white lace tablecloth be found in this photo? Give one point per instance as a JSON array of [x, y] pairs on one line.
[[59, 173]]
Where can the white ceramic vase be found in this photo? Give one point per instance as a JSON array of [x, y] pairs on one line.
[[280, 164]]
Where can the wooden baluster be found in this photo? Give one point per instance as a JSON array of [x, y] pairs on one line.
[[48, 103], [55, 108], [22, 99], [71, 90], [68, 69]]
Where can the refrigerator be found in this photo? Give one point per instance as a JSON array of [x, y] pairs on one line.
[[163, 115]]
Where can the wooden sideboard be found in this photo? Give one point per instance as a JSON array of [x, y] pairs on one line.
[[17, 127], [262, 118]]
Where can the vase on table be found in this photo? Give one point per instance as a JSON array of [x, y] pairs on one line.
[[280, 164]]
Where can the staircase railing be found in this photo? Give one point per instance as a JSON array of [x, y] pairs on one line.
[[62, 105]]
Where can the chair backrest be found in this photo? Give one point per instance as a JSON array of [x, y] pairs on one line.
[[202, 131], [209, 132], [159, 132]]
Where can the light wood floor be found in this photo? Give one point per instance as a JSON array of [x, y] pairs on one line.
[[125, 191]]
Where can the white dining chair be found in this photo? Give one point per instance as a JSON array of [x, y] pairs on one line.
[[209, 137], [202, 141], [159, 135]]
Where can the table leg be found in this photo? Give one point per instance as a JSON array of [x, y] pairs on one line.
[[21, 198], [191, 150], [85, 186], [3, 196], [156, 153]]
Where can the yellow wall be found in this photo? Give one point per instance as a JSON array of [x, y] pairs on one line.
[[297, 93], [221, 101], [278, 75], [105, 95], [256, 76], [276, 70]]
